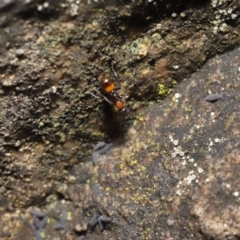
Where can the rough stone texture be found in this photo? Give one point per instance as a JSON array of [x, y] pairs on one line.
[[173, 171]]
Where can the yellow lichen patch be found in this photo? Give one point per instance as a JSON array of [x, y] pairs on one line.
[[141, 119], [174, 82], [42, 235], [163, 91], [143, 168], [133, 162], [140, 198], [188, 109], [121, 166], [69, 216]]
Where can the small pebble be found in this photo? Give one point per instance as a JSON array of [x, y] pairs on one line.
[[37, 213], [59, 226], [94, 220], [99, 146], [37, 235], [100, 225], [101, 220], [95, 158], [96, 190], [105, 148], [39, 224], [214, 97], [36, 223]]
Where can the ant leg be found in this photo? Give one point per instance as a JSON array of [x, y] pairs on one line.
[[114, 72], [107, 100], [95, 96]]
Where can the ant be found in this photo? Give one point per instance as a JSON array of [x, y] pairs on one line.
[[108, 89]]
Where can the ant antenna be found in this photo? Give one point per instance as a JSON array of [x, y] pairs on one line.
[[114, 72]]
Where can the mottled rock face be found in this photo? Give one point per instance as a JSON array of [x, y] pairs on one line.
[[173, 168], [180, 165], [5, 3]]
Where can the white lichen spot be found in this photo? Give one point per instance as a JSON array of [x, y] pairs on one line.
[[178, 192], [229, 11], [207, 180], [175, 67], [233, 16], [228, 185], [200, 170], [46, 4], [54, 89], [181, 153], [177, 95], [175, 142], [174, 15], [183, 14], [191, 160], [17, 143], [184, 163], [19, 52], [74, 9], [212, 114], [40, 8], [190, 178], [221, 16], [236, 194], [215, 30], [216, 140], [176, 150], [223, 27]]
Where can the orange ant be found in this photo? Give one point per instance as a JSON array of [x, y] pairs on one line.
[[108, 89]]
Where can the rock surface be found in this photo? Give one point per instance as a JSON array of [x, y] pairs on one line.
[[173, 170]]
